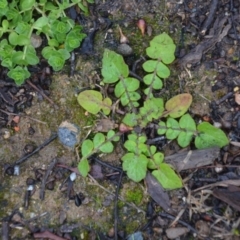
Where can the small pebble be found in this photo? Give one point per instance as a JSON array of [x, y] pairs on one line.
[[6, 134], [16, 170], [29, 148], [69, 134], [135, 236], [73, 176], [124, 49], [30, 188], [36, 40], [31, 131], [111, 232], [173, 233], [149, 30]]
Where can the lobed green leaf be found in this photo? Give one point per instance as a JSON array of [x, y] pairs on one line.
[[130, 119], [173, 129], [64, 53], [154, 80], [162, 70], [90, 100], [113, 67], [135, 165], [154, 163], [150, 65], [162, 128], [113, 136], [126, 84], [130, 145], [162, 47], [107, 147]]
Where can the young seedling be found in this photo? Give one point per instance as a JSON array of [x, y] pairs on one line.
[[172, 118]]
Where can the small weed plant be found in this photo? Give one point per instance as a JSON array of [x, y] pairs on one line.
[[172, 118], [21, 19]]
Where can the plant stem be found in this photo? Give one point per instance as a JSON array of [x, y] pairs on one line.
[[153, 79]]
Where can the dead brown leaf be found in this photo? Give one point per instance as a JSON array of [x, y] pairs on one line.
[[157, 193], [237, 98], [230, 195], [104, 125]]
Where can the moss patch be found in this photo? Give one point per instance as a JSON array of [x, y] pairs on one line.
[[134, 195]]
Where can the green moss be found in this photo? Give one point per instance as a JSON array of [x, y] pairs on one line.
[[236, 232], [131, 228], [134, 195], [121, 204]]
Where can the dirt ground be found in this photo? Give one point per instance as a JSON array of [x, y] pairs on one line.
[[208, 78]]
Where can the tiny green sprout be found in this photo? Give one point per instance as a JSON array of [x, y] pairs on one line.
[[19, 74]]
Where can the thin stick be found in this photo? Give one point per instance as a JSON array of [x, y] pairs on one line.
[[24, 116], [116, 207], [24, 158], [41, 92], [224, 98], [119, 197], [48, 235], [105, 164], [48, 172], [210, 17], [167, 215]]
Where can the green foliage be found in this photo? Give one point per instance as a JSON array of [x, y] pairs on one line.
[[208, 135], [115, 70], [141, 157], [152, 109], [100, 143], [93, 102], [161, 50], [20, 19], [178, 105], [171, 117], [135, 161], [134, 195]]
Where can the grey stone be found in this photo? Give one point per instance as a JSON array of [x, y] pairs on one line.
[[69, 134]]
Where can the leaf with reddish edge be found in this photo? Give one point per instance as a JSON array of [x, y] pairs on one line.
[[178, 105]]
